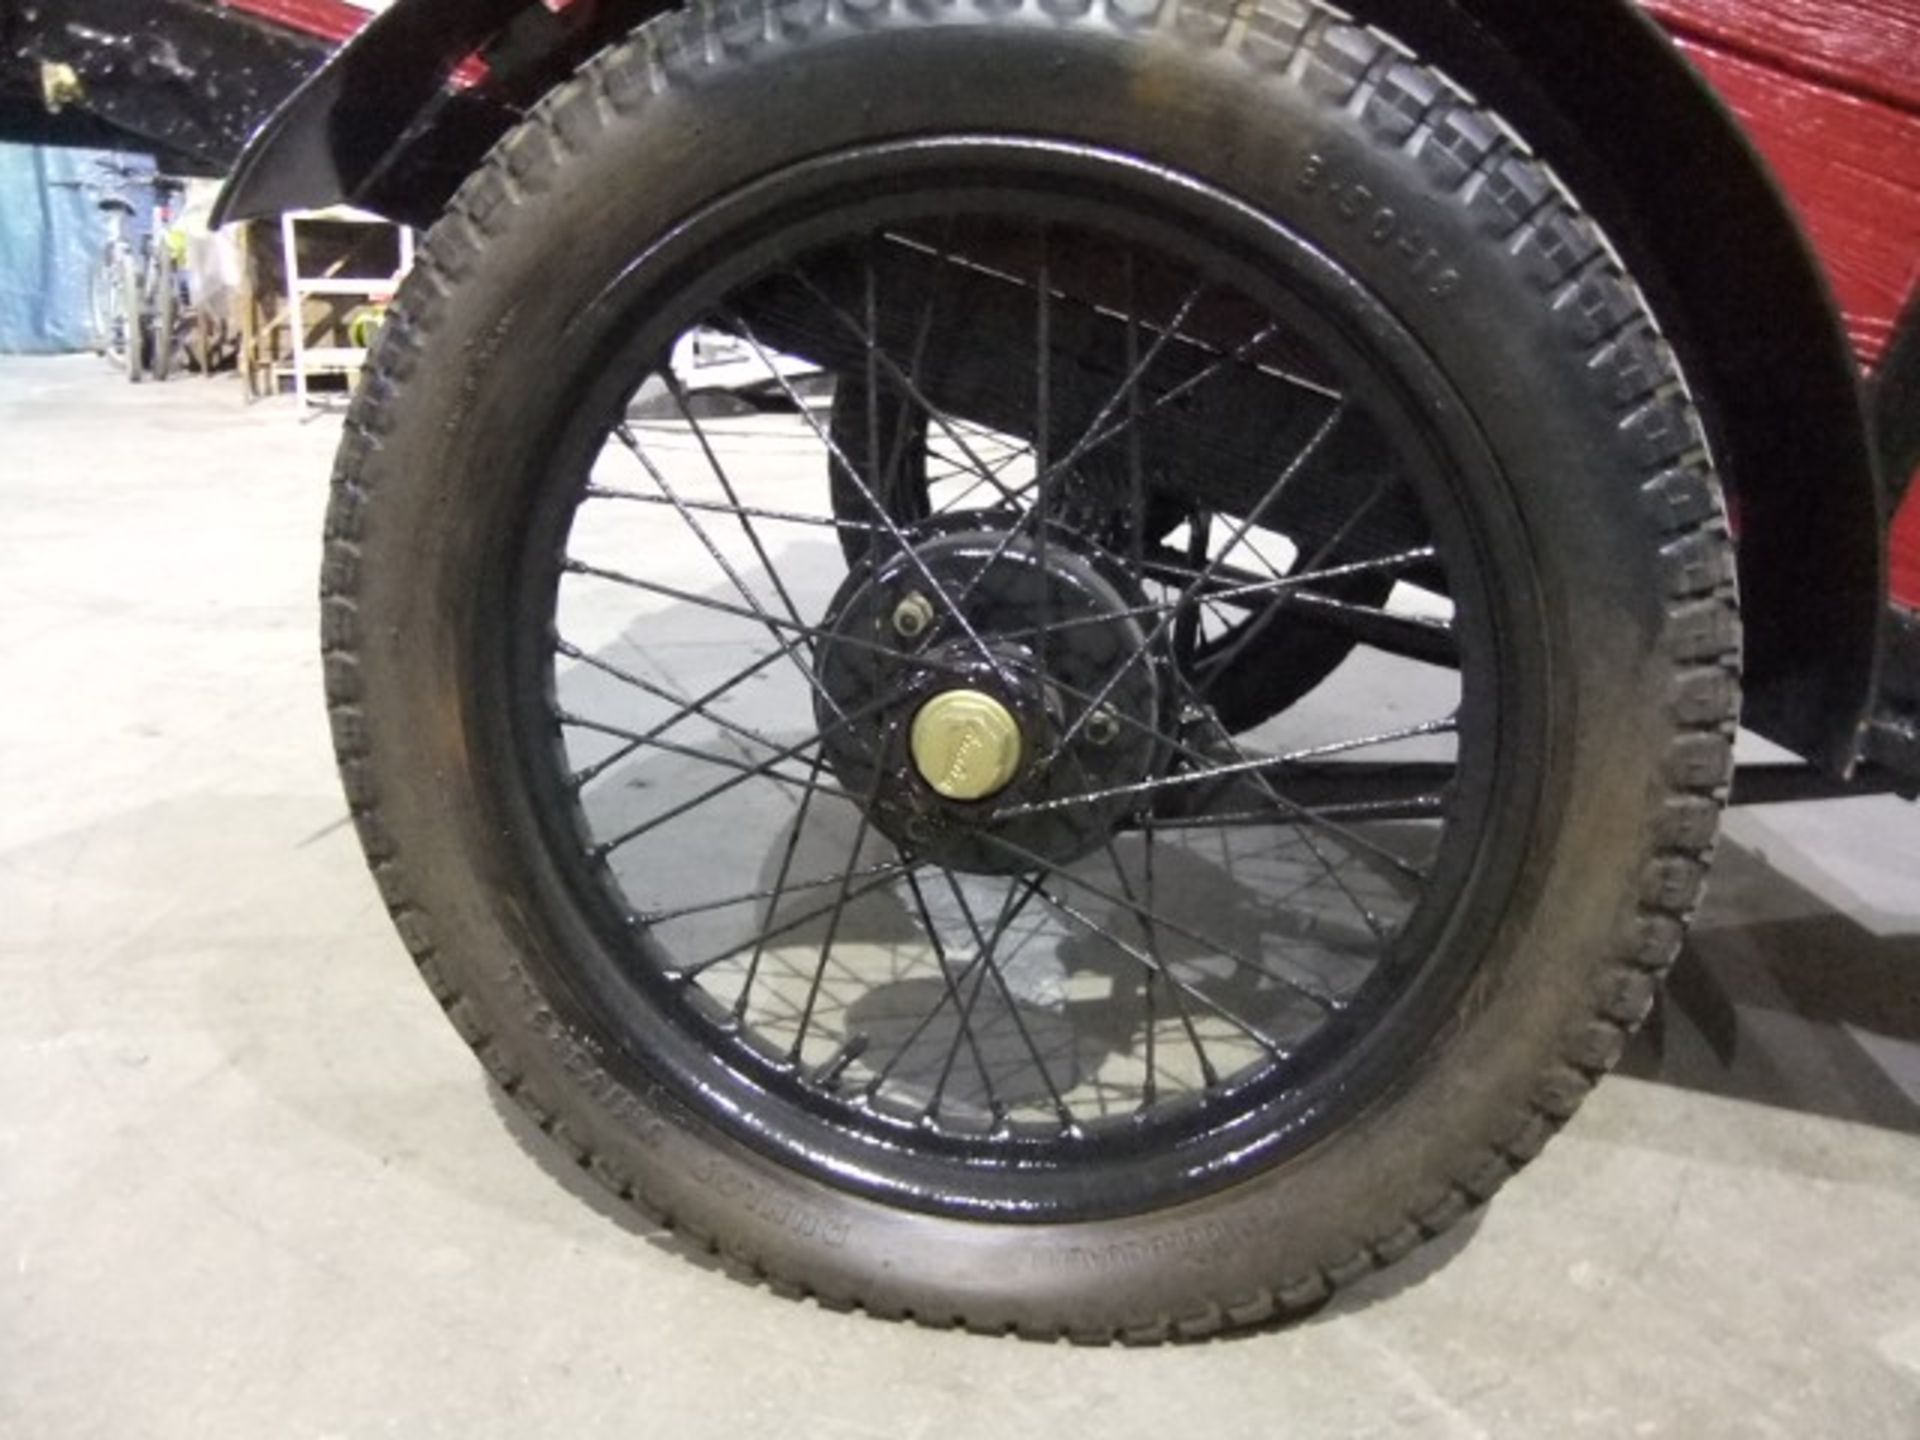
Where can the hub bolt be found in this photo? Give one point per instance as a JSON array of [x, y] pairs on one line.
[[913, 616], [1103, 727]]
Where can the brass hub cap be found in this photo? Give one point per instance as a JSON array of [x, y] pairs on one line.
[[955, 718], [966, 744]]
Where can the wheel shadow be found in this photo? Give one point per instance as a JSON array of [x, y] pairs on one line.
[[1779, 999], [1807, 1010]]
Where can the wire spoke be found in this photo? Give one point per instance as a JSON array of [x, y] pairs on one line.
[[660, 692], [1414, 807], [998, 467], [725, 482], [880, 878], [1157, 970], [632, 442], [1175, 984], [923, 332], [746, 769], [838, 913], [1137, 367], [770, 892], [1279, 487], [912, 555], [1414, 637], [1011, 905], [780, 881], [896, 376], [1239, 355], [1347, 836], [1035, 520], [581, 778], [1045, 866], [1007, 998], [803, 633], [1221, 772], [1368, 918], [932, 663], [1015, 901], [757, 512], [787, 752], [1249, 634], [952, 997], [1253, 590]]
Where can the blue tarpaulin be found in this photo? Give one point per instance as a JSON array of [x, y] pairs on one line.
[[50, 239]]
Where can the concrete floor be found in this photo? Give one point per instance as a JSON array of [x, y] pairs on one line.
[[251, 1184]]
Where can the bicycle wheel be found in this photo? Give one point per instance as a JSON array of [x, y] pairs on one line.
[[133, 313], [104, 298], [166, 297]]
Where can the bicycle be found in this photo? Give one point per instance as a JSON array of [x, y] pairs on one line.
[[168, 307], [134, 298]]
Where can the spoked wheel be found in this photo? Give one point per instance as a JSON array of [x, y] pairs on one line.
[[1142, 802], [103, 299], [113, 302], [164, 337], [946, 851], [131, 351]]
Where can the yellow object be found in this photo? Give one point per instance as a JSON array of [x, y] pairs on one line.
[[60, 85], [966, 744], [364, 323]]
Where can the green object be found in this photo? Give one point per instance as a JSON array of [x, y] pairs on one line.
[[363, 323]]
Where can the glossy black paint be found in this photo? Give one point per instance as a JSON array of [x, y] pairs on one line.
[[187, 80], [379, 125], [1893, 741], [1593, 82], [1896, 405]]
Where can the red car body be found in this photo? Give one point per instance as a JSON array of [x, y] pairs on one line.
[[1829, 92]]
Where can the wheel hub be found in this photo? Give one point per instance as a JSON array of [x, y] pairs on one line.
[[976, 734]]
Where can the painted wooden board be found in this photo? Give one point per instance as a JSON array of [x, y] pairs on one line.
[[336, 20], [1829, 91], [1866, 46], [1903, 552], [1851, 166]]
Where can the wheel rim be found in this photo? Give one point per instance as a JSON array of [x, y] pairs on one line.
[[1171, 1000]]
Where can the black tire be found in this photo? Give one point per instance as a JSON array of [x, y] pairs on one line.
[[165, 308], [1413, 187], [102, 286], [134, 324]]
